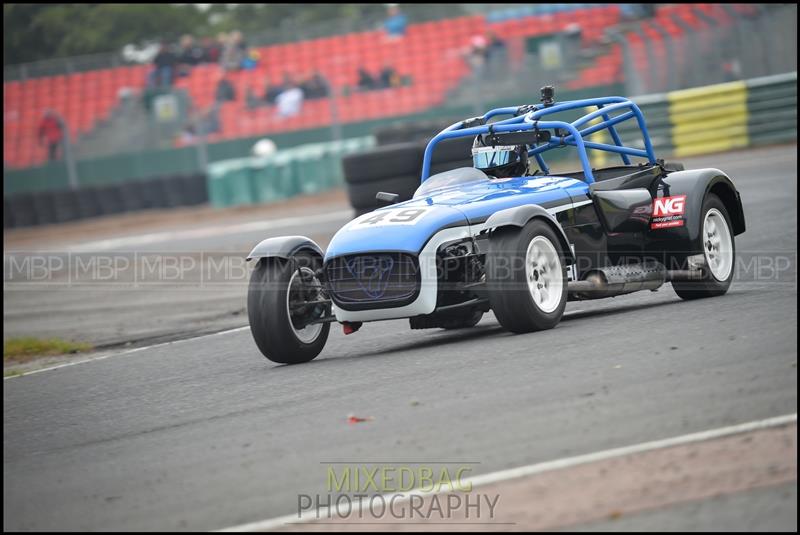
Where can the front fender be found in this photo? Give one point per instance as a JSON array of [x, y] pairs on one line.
[[284, 247], [519, 217]]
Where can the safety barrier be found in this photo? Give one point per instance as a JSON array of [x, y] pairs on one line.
[[306, 169], [59, 206], [720, 117], [681, 123]]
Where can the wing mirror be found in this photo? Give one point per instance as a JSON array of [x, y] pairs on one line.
[[387, 198]]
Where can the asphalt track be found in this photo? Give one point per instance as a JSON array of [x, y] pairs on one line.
[[206, 434]]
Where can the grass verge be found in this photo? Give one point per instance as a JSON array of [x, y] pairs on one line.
[[24, 349]]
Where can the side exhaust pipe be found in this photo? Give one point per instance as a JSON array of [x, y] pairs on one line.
[[619, 280]]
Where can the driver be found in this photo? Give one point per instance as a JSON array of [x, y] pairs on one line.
[[501, 161]]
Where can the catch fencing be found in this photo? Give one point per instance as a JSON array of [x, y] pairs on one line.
[[682, 123]]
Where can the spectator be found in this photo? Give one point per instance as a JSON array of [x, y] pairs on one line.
[[165, 63], [211, 50], [251, 99], [496, 45], [395, 24], [233, 51], [477, 53], [271, 92], [496, 55], [290, 101], [225, 92], [388, 77], [188, 134], [190, 54], [51, 131], [365, 80], [315, 86]]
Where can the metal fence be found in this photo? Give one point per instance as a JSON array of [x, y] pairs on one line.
[[744, 46], [143, 130], [289, 31]]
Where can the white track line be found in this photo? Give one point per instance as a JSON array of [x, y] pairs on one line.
[[123, 353], [204, 232], [531, 469]]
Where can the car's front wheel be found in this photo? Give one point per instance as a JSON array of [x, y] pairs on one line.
[[284, 303], [526, 277]]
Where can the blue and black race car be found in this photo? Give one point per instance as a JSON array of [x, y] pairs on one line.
[[505, 235]]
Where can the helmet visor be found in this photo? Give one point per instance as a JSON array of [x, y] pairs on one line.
[[489, 157]]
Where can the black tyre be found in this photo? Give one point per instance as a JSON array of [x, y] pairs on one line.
[[408, 131], [278, 288], [44, 207], [363, 195], [382, 162], [451, 150], [526, 277], [719, 249]]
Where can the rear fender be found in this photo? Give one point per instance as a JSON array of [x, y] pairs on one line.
[[696, 184]]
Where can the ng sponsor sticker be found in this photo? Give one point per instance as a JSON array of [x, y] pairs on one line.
[[668, 212]]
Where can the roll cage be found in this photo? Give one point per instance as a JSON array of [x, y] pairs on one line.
[[528, 118]]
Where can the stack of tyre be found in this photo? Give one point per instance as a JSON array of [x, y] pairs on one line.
[[395, 164], [59, 206]]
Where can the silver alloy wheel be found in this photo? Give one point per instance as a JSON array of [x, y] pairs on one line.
[[309, 333], [717, 244], [544, 274]]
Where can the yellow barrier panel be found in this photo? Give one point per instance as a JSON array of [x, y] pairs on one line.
[[709, 119], [598, 158]]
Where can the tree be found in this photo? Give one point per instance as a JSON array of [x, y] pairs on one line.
[[36, 31], [44, 31]]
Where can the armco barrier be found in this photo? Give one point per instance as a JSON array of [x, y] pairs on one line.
[[709, 119], [719, 117], [727, 116], [306, 169]]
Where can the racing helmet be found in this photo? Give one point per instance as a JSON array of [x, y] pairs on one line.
[[501, 161]]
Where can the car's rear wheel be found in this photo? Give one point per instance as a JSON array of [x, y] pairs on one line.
[[719, 251], [526, 277], [283, 305]]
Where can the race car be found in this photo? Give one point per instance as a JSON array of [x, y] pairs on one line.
[[505, 235]]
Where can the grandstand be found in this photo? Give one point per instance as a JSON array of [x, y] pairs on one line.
[[430, 55]]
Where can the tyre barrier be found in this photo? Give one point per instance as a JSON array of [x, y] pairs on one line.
[[397, 168], [409, 131], [61, 206]]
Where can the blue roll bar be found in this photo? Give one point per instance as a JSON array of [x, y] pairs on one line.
[[574, 137]]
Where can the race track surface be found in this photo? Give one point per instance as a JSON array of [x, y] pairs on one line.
[[205, 433]]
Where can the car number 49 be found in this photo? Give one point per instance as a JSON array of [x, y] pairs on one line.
[[400, 216]]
